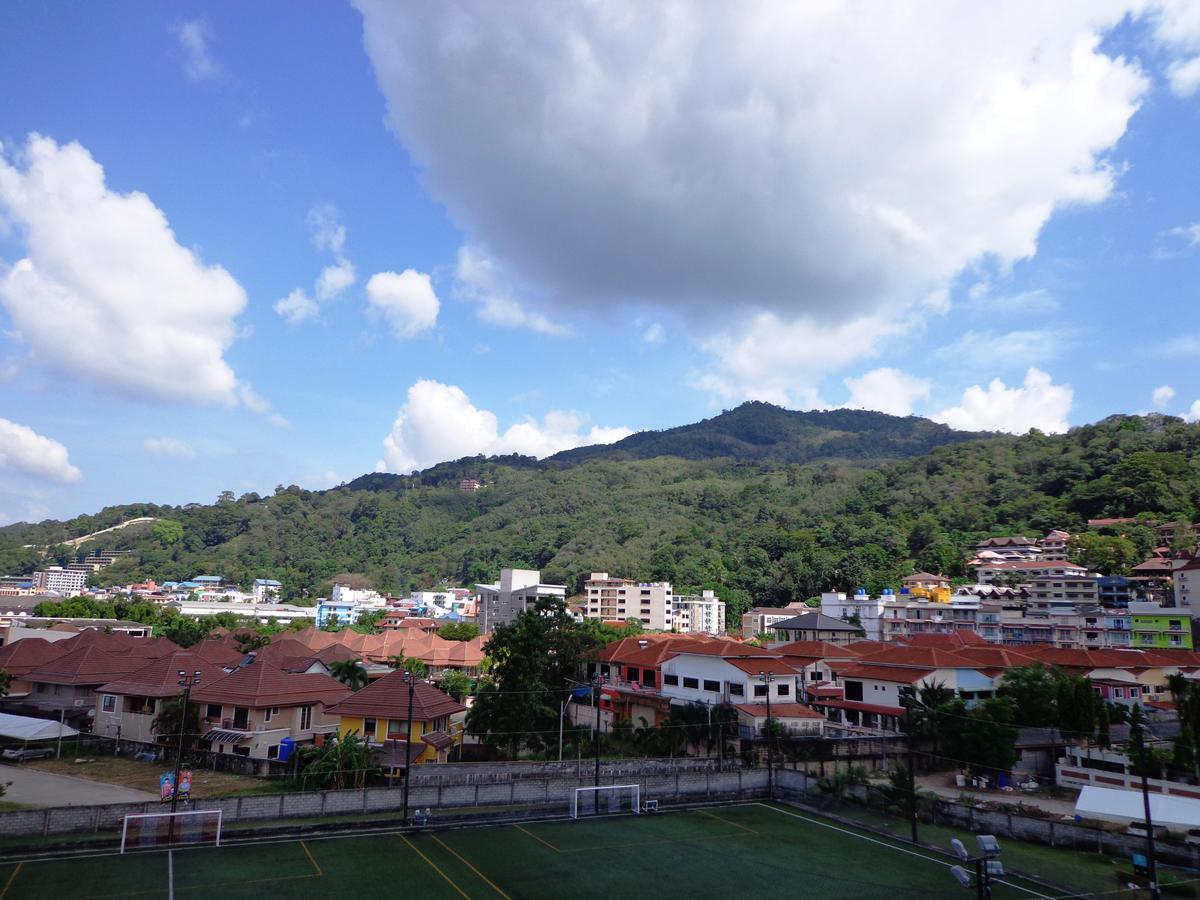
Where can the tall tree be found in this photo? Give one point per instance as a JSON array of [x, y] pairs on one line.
[[349, 672]]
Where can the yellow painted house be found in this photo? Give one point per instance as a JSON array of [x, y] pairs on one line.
[[380, 714]]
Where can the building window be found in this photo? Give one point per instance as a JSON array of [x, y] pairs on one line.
[[693, 683], [672, 680], [632, 674], [241, 718], [271, 713], [736, 690], [1119, 693], [305, 718], [213, 711], [395, 728], [854, 690], [760, 690], [273, 752], [784, 690], [108, 703], [712, 686], [369, 728]]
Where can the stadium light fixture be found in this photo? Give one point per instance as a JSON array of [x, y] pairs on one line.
[[961, 876], [988, 844], [959, 849]]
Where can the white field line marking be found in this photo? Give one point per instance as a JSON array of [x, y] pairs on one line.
[[933, 859]]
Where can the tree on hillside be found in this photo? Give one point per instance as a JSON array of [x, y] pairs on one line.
[[458, 631], [536, 660], [1033, 691]]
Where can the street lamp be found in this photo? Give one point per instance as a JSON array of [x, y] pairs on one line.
[[766, 678], [411, 681], [187, 682]]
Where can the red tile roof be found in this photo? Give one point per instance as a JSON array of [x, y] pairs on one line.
[[21, 657], [817, 650], [882, 673], [262, 684], [779, 710], [388, 698], [161, 677], [863, 707], [754, 665], [84, 666]]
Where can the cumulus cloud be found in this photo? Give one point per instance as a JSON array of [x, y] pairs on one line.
[[24, 450], [653, 333], [727, 161], [1161, 397], [198, 62], [256, 403], [1193, 414], [1177, 26], [1038, 403], [105, 293], [171, 447], [406, 301], [439, 422], [328, 234], [1017, 347], [887, 390], [478, 280]]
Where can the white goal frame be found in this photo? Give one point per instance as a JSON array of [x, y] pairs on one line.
[[180, 817], [613, 792]]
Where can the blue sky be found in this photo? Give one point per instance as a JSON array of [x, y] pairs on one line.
[[504, 229]]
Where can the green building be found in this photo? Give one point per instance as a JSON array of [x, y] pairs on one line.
[[1159, 628]]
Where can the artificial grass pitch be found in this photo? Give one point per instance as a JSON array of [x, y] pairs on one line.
[[752, 850]]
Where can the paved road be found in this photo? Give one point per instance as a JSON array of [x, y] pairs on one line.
[[34, 788], [943, 785]]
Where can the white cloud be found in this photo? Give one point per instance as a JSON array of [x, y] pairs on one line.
[[887, 390], [654, 333], [326, 228], [193, 36], [254, 402], [439, 422], [477, 279], [976, 348], [783, 361], [1038, 403], [297, 307], [333, 280], [168, 446], [1177, 26], [1182, 346], [1161, 397], [406, 301], [1176, 242], [24, 450], [106, 294], [731, 160], [1193, 414]]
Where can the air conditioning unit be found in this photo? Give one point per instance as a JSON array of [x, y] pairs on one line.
[[80, 702]]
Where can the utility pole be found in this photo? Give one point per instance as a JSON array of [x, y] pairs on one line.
[[1151, 866], [411, 682], [912, 772], [767, 678], [187, 683]]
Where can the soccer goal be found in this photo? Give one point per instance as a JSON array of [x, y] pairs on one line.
[[145, 830], [609, 798]]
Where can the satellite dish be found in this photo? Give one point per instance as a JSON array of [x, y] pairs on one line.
[[959, 850], [961, 876]]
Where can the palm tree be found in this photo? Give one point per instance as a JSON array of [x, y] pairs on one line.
[[248, 642], [408, 664], [349, 672], [1177, 684], [343, 762], [925, 705]]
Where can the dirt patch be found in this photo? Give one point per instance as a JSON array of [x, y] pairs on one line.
[[144, 776]]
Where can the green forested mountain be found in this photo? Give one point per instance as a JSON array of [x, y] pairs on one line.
[[761, 529]]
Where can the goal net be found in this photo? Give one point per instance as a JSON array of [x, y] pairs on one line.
[[607, 799], [147, 830]]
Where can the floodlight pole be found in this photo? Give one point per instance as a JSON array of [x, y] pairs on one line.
[[410, 681], [912, 773], [766, 678], [186, 682], [598, 681]]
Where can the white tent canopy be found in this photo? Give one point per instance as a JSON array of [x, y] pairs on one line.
[[27, 728], [1115, 805]]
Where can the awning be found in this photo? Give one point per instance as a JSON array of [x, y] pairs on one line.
[[28, 728], [224, 737], [1117, 805], [875, 708]]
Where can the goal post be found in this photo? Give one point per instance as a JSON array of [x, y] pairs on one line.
[[610, 799], [148, 830]]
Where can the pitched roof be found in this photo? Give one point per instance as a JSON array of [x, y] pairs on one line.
[[160, 678], [779, 710], [21, 657], [84, 666], [754, 665], [817, 650], [1032, 564], [921, 657], [815, 621], [899, 674], [388, 698], [955, 640], [262, 684]]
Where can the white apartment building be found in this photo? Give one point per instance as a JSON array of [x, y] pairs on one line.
[[516, 591], [266, 590], [618, 599], [1185, 580], [699, 614], [343, 593], [711, 679], [261, 612], [67, 582], [868, 609], [1027, 570]]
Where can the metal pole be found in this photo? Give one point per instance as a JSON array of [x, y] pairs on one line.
[[562, 711], [186, 683], [62, 721], [912, 775], [599, 682], [408, 744], [981, 889], [766, 678], [1151, 866]]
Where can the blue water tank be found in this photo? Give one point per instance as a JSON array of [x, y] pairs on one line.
[[286, 748], [888, 592], [861, 592]]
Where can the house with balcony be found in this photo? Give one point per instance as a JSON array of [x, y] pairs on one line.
[[795, 719], [760, 619], [1185, 581], [125, 709], [699, 675], [1162, 628], [249, 711], [380, 714], [815, 626]]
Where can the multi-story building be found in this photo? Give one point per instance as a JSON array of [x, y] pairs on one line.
[[701, 613], [1185, 581], [815, 626], [859, 607], [1026, 570], [760, 619], [267, 590], [67, 582], [516, 591], [1013, 548], [1055, 546], [618, 599], [1050, 592], [1160, 628], [346, 612]]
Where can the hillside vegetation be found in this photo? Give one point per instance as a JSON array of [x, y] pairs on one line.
[[764, 530]]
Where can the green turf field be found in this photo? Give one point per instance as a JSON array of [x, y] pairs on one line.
[[752, 850]]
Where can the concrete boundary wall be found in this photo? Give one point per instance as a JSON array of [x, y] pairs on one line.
[[1055, 833], [478, 789]]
